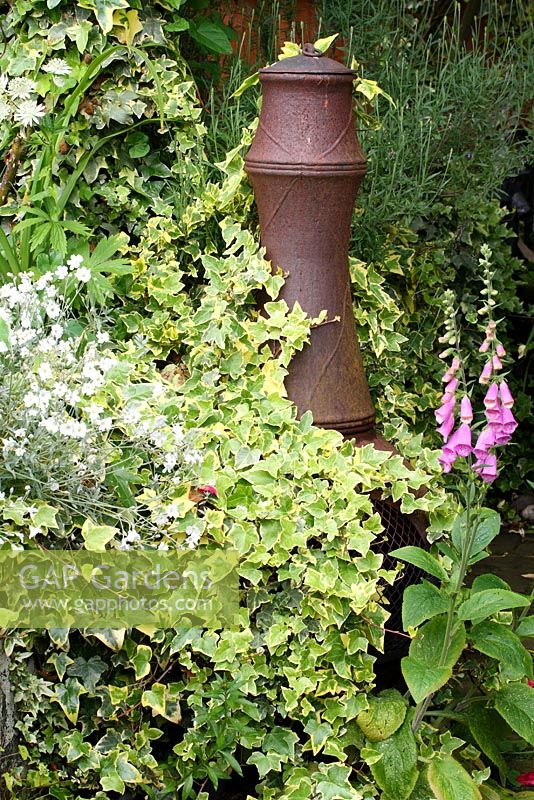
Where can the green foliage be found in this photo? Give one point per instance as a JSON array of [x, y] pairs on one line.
[[285, 695]]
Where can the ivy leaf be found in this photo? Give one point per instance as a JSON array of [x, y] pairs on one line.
[[499, 642], [89, 671], [68, 696], [45, 517], [112, 638], [420, 558], [163, 700], [450, 781], [141, 661], [252, 80], [488, 526], [396, 771], [421, 601], [384, 716], [127, 771], [103, 10], [325, 44], [515, 703], [97, 536], [489, 601]]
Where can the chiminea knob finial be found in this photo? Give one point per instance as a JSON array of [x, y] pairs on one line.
[[309, 50]]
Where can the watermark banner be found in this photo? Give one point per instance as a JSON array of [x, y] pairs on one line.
[[117, 589]]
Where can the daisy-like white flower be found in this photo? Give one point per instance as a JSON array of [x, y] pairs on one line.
[[5, 110], [29, 112], [20, 88], [56, 66], [75, 261], [83, 274]]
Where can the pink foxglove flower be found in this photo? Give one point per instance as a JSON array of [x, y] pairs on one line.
[[486, 439], [445, 411], [491, 399], [485, 375], [466, 412], [484, 347], [501, 352], [506, 396], [508, 421], [446, 427], [447, 460], [450, 388], [487, 467], [496, 363], [462, 443]]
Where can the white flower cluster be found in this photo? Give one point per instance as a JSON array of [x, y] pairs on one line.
[[19, 103], [61, 398]]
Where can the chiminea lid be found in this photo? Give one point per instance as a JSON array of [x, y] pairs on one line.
[[310, 61]]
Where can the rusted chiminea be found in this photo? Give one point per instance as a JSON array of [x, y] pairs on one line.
[[306, 165]]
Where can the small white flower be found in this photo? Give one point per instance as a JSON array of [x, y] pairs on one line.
[[169, 462], [29, 112], [132, 536], [34, 530], [53, 309], [43, 281], [74, 262], [45, 371], [163, 546], [178, 433], [105, 424], [62, 271], [193, 534], [5, 110], [56, 66], [102, 336], [56, 331], [20, 88], [83, 274]]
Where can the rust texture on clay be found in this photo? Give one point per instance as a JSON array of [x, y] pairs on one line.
[[306, 165]]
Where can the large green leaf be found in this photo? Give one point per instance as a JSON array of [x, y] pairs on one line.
[[423, 680], [450, 781], [211, 35], [526, 627], [488, 525], [490, 601], [488, 731], [422, 601], [420, 558], [384, 716], [498, 641], [428, 668], [396, 770], [515, 703]]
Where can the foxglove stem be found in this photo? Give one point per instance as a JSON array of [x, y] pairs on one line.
[[471, 528]]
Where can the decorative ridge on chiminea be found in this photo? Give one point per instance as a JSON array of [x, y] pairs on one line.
[[306, 165]]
